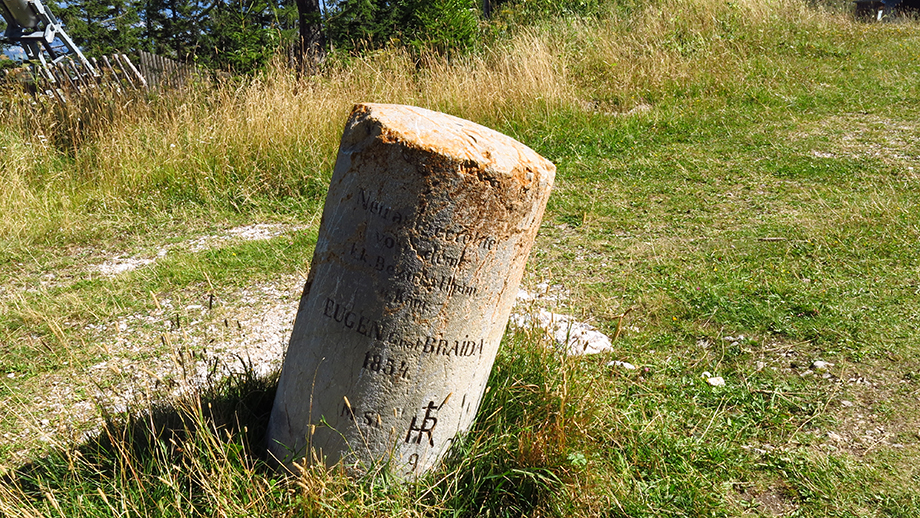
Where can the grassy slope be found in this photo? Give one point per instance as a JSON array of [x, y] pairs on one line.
[[724, 169]]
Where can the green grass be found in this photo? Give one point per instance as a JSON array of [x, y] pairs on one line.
[[724, 170]]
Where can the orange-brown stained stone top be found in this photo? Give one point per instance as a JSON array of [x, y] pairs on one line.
[[457, 138]]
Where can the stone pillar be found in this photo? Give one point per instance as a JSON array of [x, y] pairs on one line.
[[426, 230]]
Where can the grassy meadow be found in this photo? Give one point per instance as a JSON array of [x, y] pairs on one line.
[[737, 196]]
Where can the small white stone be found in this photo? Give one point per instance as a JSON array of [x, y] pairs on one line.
[[578, 337], [846, 403], [716, 381], [524, 295], [618, 363], [821, 365]]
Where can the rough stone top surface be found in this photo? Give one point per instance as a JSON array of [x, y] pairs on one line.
[[453, 137]]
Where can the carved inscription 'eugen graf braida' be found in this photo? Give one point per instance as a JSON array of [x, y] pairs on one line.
[[390, 335]]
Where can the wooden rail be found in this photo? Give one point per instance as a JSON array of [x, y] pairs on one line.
[[68, 77]]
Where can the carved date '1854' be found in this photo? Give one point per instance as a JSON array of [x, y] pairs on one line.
[[380, 364]]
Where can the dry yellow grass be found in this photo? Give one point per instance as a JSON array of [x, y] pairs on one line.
[[234, 143]]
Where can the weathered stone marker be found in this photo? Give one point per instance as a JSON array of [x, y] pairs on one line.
[[426, 230]]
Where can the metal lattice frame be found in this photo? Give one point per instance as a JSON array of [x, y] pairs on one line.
[[23, 15]]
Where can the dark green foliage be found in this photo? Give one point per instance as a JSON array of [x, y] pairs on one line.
[[230, 34], [442, 25], [173, 28], [244, 35], [102, 27]]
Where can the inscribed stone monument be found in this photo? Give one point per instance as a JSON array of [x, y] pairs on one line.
[[427, 226]]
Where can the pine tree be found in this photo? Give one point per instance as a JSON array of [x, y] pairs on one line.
[[442, 25], [244, 34], [174, 28], [101, 26], [311, 37]]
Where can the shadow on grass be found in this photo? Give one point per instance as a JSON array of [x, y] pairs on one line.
[[204, 452], [182, 445]]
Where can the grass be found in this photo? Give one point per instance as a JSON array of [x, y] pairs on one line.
[[736, 195]]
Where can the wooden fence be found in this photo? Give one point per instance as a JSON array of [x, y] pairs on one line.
[[163, 72], [68, 77]]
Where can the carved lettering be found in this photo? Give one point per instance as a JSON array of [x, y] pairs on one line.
[[378, 209], [451, 285], [424, 237], [385, 240], [404, 298], [369, 417], [357, 322], [376, 330], [372, 362], [438, 256], [372, 419], [448, 284], [358, 254], [350, 320], [440, 346], [378, 363], [426, 426], [455, 234]]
